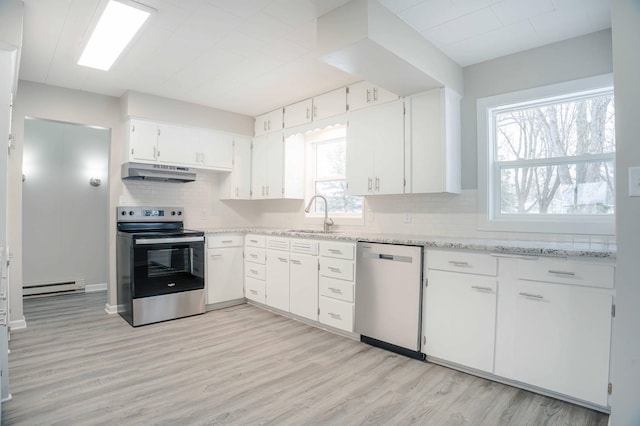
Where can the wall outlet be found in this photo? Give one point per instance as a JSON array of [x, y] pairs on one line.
[[204, 214], [370, 216], [407, 217]]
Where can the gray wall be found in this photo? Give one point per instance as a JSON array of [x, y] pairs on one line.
[[563, 61], [625, 366], [65, 219]]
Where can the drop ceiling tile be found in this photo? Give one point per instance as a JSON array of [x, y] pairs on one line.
[[399, 5], [150, 40], [599, 12], [264, 27], [241, 43], [285, 50], [208, 23], [325, 6], [168, 15], [471, 25], [512, 11], [305, 35], [468, 6], [292, 12], [561, 23], [429, 14], [241, 8]]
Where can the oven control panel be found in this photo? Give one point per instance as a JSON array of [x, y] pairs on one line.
[[149, 214]]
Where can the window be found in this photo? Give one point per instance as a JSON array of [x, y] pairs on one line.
[[550, 163], [326, 165]]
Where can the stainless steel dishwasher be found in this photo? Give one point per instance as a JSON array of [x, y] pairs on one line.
[[389, 297]]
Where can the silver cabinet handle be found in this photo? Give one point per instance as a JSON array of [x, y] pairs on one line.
[[295, 262], [282, 259], [368, 96], [476, 287], [336, 270], [254, 241], [263, 190], [334, 316], [369, 184], [570, 274], [375, 94], [267, 190], [255, 256], [315, 111], [335, 290], [253, 271], [308, 112], [227, 241], [215, 255], [335, 251], [264, 126], [458, 263], [377, 183], [253, 292], [533, 296]]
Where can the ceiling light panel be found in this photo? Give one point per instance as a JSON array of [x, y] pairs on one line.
[[119, 23]]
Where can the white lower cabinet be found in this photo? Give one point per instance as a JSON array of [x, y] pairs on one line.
[[254, 289], [303, 276], [337, 283], [254, 268], [277, 273], [460, 318], [336, 313], [224, 268]]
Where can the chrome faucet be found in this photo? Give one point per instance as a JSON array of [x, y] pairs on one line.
[[327, 220]]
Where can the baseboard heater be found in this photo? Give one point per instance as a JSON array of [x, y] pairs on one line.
[[33, 290]]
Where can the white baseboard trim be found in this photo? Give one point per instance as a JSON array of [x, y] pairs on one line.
[[91, 288], [8, 398], [18, 324], [112, 309]]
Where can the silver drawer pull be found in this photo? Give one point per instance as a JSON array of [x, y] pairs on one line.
[[215, 255], [255, 256], [282, 259], [335, 251], [253, 292], [476, 287], [295, 262], [227, 241], [335, 290], [253, 271], [254, 241], [570, 274], [336, 270], [334, 316], [533, 296], [458, 263]]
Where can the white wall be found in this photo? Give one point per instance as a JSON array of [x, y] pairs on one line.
[[567, 60], [625, 361]]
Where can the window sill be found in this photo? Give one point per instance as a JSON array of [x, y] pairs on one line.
[[554, 225]]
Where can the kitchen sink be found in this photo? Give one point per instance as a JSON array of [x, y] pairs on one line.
[[308, 231]]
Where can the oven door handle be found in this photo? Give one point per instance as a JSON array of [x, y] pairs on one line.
[[169, 240]]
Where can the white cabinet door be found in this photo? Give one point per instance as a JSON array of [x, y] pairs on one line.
[[143, 140], [303, 285], [277, 282], [224, 274], [177, 144], [297, 114], [460, 317], [214, 150], [375, 150], [259, 168], [269, 122], [364, 94], [330, 104], [432, 142], [274, 165], [293, 167], [561, 338], [240, 178]]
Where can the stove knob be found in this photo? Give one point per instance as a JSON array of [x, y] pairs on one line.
[[124, 213], [130, 212], [173, 213], [179, 213]]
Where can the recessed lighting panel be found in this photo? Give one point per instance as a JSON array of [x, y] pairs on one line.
[[116, 27]]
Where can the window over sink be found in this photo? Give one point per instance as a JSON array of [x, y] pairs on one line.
[[546, 158]]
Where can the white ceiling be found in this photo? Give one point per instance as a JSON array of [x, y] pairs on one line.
[[251, 56]]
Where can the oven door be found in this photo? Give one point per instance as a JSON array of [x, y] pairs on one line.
[[167, 265]]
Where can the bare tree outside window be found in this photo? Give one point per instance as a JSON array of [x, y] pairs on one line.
[[556, 157]]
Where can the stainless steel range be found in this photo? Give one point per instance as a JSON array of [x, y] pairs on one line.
[[160, 265]]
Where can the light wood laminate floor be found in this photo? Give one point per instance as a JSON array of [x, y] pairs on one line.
[[76, 365]]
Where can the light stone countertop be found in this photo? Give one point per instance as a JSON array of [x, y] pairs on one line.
[[507, 247]]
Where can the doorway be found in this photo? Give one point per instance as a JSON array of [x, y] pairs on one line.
[[64, 207]]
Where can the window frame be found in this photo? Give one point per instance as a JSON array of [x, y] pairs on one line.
[[311, 178], [490, 217]]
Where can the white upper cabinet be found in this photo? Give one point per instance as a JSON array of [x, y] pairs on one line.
[[153, 142], [237, 184], [143, 140], [277, 167], [375, 150], [432, 142], [364, 94], [269, 122], [330, 104], [298, 113]]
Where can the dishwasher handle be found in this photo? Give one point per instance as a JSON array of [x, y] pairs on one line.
[[392, 257]]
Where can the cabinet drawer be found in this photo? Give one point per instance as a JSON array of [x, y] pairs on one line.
[[217, 241], [457, 261], [304, 247], [255, 241], [563, 271], [336, 268], [254, 290], [256, 271], [336, 289], [255, 255], [336, 313], [338, 250], [277, 243]]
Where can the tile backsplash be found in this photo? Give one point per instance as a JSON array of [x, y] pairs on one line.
[[425, 214]]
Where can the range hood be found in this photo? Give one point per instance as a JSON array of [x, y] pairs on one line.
[[157, 172]]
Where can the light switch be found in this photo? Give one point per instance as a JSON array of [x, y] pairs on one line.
[[634, 181]]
